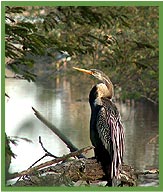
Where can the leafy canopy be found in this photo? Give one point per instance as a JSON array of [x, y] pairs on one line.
[[123, 41]]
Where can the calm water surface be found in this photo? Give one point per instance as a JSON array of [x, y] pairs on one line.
[[66, 105]]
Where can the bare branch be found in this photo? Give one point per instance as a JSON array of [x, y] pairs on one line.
[[46, 151], [56, 131], [29, 171]]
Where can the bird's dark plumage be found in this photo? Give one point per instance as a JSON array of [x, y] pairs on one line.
[[106, 132], [106, 129]]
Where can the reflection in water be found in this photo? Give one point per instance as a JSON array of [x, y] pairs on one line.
[[65, 104]]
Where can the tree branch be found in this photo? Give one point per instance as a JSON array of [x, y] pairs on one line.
[[29, 171], [46, 151], [57, 132]]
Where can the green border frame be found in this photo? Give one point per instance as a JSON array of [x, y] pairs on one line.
[[79, 3]]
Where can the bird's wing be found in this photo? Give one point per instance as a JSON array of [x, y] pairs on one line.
[[110, 131]]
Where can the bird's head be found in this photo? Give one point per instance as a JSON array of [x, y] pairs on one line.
[[100, 76]]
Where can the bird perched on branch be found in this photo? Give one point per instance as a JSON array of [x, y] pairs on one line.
[[106, 129]]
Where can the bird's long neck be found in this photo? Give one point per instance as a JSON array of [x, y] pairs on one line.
[[98, 92], [110, 87]]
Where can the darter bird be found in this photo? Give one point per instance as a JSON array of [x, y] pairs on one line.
[[106, 129]]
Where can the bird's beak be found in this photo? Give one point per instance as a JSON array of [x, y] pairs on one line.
[[84, 70]]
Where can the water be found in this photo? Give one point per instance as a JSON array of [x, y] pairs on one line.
[[65, 104]]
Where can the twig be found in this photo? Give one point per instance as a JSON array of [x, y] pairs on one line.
[[7, 95], [48, 163], [46, 151], [14, 175], [38, 161], [56, 131]]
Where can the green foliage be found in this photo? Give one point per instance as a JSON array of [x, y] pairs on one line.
[[79, 29], [122, 41], [22, 38]]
